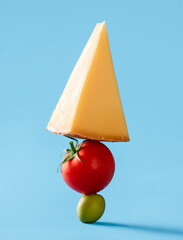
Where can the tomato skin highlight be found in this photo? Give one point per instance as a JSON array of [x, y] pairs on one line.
[[95, 171]]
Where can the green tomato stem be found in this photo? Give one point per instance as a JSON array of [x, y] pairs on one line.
[[72, 147]]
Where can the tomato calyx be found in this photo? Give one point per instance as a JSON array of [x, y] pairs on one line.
[[73, 152]]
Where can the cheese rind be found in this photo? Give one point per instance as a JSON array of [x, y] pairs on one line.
[[90, 106]]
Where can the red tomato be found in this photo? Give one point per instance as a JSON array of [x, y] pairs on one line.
[[94, 172]]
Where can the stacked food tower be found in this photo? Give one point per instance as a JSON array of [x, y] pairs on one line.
[[90, 108]]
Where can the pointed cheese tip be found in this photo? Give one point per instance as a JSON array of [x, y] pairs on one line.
[[100, 26], [102, 23]]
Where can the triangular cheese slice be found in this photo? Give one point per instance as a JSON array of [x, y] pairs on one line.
[[90, 106]]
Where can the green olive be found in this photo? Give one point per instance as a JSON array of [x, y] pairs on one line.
[[90, 208]]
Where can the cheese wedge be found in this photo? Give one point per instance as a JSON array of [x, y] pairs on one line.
[[90, 106]]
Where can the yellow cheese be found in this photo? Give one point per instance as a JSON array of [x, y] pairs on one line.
[[90, 106]]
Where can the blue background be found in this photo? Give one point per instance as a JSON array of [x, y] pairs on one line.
[[40, 42]]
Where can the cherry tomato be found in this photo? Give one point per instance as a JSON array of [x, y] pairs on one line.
[[93, 171]]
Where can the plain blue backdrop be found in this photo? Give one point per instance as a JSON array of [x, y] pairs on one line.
[[40, 42]]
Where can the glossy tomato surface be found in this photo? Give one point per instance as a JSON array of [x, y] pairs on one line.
[[94, 172]]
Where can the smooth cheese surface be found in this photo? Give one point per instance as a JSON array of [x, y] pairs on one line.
[[63, 115], [90, 106]]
